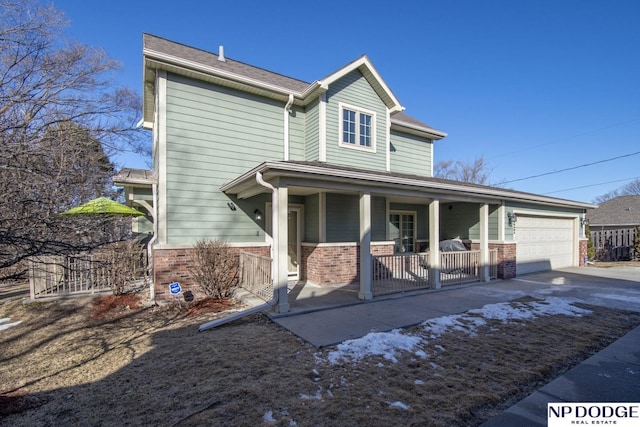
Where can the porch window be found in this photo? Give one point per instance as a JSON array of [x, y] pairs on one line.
[[402, 231], [357, 128]]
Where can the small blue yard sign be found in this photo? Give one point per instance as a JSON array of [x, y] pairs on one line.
[[174, 288]]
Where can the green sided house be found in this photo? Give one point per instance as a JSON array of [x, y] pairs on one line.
[[330, 179]]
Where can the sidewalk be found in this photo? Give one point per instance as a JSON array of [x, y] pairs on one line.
[[611, 375]]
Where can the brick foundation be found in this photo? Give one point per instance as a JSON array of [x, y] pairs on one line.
[[335, 264], [172, 265], [506, 258], [583, 251]]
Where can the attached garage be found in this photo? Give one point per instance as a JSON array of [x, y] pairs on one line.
[[544, 243]]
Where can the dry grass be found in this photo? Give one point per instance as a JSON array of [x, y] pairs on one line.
[[608, 264], [65, 366]]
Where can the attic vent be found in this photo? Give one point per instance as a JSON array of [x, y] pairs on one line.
[[221, 54]]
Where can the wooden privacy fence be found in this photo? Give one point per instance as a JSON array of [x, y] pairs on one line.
[[101, 271], [615, 245], [255, 275], [410, 271]]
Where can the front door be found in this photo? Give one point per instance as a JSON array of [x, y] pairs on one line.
[[402, 231], [294, 233]]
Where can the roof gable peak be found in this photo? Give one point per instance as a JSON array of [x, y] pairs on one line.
[[365, 66]]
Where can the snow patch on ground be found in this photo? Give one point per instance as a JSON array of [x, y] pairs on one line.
[[4, 325], [399, 405], [385, 344], [268, 417], [625, 298], [317, 396], [388, 344]]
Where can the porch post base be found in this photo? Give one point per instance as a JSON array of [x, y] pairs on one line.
[[283, 308], [365, 295]]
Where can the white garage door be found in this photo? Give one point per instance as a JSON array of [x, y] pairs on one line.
[[543, 243]]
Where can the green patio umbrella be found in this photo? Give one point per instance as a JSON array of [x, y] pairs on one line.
[[102, 205]]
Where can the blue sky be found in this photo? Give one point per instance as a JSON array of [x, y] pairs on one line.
[[534, 86]]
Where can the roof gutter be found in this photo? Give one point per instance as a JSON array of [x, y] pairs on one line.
[[419, 131]]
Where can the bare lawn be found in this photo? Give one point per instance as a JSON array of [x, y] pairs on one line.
[[111, 362]]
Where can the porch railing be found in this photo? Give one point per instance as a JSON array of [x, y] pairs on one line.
[[464, 267], [410, 271], [255, 275], [53, 276], [399, 273]]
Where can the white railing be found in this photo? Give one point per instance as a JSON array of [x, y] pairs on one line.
[[410, 271], [255, 275], [53, 276], [399, 273]]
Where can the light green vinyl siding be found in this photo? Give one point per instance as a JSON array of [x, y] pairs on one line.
[[296, 134], [354, 89], [312, 218], [410, 154], [462, 221], [378, 219], [311, 135], [139, 193], [213, 135], [343, 218]]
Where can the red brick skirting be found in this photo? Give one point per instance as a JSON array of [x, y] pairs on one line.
[[335, 263], [172, 265], [583, 245], [506, 258]]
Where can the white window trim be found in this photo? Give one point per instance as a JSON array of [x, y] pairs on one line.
[[415, 224], [342, 106]]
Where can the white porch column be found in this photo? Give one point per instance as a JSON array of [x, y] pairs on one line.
[[434, 244], [484, 242], [280, 234], [365, 247]]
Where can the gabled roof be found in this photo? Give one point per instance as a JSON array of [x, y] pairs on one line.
[[405, 123], [163, 54], [622, 210], [129, 176]]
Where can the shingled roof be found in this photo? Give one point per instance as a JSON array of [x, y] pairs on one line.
[[622, 210], [203, 64]]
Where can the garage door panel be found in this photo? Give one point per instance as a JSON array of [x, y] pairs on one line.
[[543, 243]]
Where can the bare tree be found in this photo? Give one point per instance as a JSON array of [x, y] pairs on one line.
[[476, 172], [60, 118], [629, 189]]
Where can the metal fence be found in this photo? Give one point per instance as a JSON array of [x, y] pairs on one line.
[[410, 271], [255, 275]]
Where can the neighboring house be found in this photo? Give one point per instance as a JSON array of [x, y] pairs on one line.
[[614, 227], [319, 176]]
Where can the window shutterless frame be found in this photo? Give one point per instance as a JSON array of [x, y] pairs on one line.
[[357, 128]]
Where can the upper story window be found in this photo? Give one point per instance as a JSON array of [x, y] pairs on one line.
[[357, 127]]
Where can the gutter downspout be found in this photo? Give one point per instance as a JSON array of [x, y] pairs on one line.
[[287, 111], [274, 265], [152, 287]]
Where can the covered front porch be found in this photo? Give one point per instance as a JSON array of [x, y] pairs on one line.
[[365, 234]]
